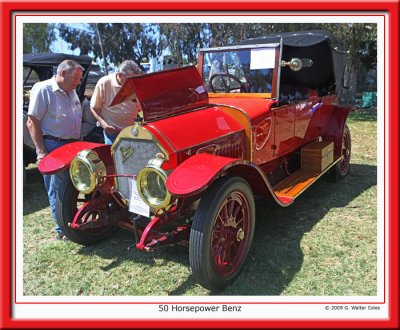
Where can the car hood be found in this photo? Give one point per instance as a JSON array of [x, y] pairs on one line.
[[165, 93]]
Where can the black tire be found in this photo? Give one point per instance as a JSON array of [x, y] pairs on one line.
[[342, 168], [66, 208], [218, 249]]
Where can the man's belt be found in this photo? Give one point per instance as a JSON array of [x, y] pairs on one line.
[[53, 138]]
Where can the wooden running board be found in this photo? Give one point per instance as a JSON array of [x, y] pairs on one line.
[[291, 187]]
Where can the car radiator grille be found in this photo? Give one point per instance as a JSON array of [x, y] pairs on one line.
[[143, 151]]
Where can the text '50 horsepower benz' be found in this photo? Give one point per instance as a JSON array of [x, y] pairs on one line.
[[258, 120]]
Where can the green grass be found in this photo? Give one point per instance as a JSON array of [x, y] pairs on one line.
[[325, 244]]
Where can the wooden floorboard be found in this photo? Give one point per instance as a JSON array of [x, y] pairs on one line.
[[296, 183], [288, 189]]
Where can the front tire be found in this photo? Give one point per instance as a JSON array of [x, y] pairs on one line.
[[222, 233], [67, 204]]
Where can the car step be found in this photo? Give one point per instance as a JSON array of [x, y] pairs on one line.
[[291, 187]]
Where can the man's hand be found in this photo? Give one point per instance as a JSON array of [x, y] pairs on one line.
[[110, 129], [40, 155], [35, 131]]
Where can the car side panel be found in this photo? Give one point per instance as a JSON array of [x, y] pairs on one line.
[[197, 173], [284, 119]]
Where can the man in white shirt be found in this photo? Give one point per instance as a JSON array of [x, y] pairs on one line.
[[54, 119], [114, 118]]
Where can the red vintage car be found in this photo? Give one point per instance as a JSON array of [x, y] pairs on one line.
[[258, 120]]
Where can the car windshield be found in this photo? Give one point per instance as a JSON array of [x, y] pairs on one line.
[[239, 70]]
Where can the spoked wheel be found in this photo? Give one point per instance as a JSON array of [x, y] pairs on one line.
[[222, 232], [342, 168], [68, 202]]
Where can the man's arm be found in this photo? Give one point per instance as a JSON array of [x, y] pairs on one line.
[[97, 114], [35, 131], [96, 104]]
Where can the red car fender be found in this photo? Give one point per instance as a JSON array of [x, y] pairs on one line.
[[334, 127], [198, 172], [60, 158]]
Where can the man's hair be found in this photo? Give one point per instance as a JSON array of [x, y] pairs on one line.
[[69, 65], [129, 67]]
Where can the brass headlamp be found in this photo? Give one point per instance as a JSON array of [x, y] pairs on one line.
[[87, 171], [151, 183]]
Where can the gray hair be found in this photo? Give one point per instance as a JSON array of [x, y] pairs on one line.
[[129, 67], [68, 65]]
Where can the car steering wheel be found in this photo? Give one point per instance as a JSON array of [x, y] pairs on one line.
[[226, 86]]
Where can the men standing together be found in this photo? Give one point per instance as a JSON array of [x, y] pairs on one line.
[[55, 115]]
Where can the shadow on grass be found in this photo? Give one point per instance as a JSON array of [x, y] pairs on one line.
[[35, 195], [276, 255]]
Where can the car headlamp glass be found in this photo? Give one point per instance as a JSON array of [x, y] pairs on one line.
[[87, 171], [151, 183]]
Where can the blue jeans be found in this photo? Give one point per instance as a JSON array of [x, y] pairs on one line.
[[109, 138], [52, 182]]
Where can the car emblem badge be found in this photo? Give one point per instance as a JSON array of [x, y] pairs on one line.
[[126, 153], [135, 131]]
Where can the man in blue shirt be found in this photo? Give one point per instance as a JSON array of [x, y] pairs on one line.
[[54, 119]]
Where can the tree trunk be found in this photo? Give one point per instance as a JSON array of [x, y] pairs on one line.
[[347, 92]]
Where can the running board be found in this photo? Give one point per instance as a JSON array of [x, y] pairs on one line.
[[291, 187]]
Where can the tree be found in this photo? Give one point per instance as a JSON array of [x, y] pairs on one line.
[[120, 42], [38, 37], [183, 40]]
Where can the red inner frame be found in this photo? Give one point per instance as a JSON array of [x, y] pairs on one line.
[[8, 157]]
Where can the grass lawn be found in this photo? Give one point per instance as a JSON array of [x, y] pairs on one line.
[[325, 244]]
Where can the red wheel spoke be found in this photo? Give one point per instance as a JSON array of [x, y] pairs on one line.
[[235, 213], [228, 242], [231, 209]]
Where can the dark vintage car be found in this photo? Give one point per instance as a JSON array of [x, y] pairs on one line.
[[42, 66], [264, 122]]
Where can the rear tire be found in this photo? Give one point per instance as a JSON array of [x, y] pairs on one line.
[[67, 202], [222, 233], [342, 168]]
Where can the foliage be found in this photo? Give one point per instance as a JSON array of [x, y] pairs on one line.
[[140, 41], [120, 41], [112, 43], [38, 37]]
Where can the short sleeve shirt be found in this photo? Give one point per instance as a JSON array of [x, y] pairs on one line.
[[59, 113], [120, 115]]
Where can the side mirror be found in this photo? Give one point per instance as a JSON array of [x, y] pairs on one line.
[[296, 64]]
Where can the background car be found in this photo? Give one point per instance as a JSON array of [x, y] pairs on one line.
[[267, 124], [38, 67]]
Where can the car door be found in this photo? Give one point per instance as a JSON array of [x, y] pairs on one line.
[[284, 128]]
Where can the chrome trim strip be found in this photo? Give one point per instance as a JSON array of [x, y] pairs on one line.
[[271, 45], [278, 83]]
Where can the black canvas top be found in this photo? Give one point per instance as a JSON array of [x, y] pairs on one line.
[[43, 64], [298, 39], [327, 52], [55, 59]]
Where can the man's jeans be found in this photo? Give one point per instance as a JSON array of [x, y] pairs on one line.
[[52, 182], [109, 138]]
